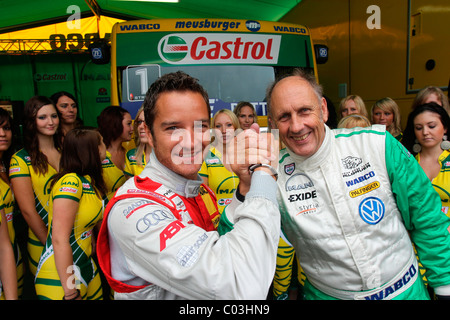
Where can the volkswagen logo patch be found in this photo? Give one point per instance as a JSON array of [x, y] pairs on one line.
[[371, 210]]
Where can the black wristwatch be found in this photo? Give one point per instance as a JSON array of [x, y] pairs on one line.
[[272, 169]]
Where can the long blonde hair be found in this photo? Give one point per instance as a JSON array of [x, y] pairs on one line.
[[140, 147], [423, 94], [358, 102], [389, 105], [354, 120], [230, 114], [234, 120]]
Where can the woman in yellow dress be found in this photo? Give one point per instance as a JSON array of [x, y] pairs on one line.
[[213, 171], [66, 269], [32, 167], [425, 136], [115, 126], [7, 196], [8, 282]]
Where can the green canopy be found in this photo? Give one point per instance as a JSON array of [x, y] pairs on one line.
[[22, 14]]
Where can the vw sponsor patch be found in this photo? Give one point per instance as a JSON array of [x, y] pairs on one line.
[[371, 210]]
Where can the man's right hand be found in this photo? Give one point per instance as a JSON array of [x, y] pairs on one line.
[[251, 147]]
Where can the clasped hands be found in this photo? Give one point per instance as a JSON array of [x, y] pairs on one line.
[[252, 147]]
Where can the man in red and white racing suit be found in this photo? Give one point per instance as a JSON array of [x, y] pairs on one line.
[[158, 239], [351, 201]]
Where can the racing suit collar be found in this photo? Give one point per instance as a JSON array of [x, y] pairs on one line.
[[161, 174], [318, 158]]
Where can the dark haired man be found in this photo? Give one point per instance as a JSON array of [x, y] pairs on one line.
[[159, 239]]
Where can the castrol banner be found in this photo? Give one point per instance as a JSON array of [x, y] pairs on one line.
[[180, 42], [225, 48]]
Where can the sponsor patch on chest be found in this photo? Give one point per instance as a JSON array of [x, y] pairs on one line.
[[301, 194]]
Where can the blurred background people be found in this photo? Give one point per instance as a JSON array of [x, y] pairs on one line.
[[8, 276], [354, 120], [115, 126], [137, 158], [332, 120], [7, 196], [352, 104], [246, 114], [385, 111], [431, 94], [67, 108]]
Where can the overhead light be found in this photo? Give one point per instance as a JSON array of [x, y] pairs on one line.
[[168, 1]]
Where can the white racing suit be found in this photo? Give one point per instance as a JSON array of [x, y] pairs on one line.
[[351, 211], [156, 242]]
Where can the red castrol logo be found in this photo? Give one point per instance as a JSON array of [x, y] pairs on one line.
[[219, 48]]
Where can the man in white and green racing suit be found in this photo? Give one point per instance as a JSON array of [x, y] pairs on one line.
[[351, 211], [351, 202]]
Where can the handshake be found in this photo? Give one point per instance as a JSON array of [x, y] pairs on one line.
[[252, 151]]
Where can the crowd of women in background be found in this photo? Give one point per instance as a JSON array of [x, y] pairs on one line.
[[60, 181]]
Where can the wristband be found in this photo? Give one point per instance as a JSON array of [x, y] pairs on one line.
[[239, 196], [75, 296], [272, 169]]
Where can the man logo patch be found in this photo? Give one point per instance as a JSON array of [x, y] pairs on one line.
[[371, 210]]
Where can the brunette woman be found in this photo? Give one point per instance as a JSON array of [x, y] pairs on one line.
[[31, 169]]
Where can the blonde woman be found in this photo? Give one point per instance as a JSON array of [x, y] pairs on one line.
[[137, 158], [213, 171], [385, 111], [431, 94], [354, 120], [352, 104]]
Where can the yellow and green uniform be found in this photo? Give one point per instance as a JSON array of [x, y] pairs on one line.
[[90, 211], [20, 166], [2, 294], [113, 176], [7, 199], [441, 183], [131, 167], [288, 272], [220, 180]]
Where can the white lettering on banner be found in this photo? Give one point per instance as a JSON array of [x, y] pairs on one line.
[[374, 21], [194, 48], [74, 22]]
